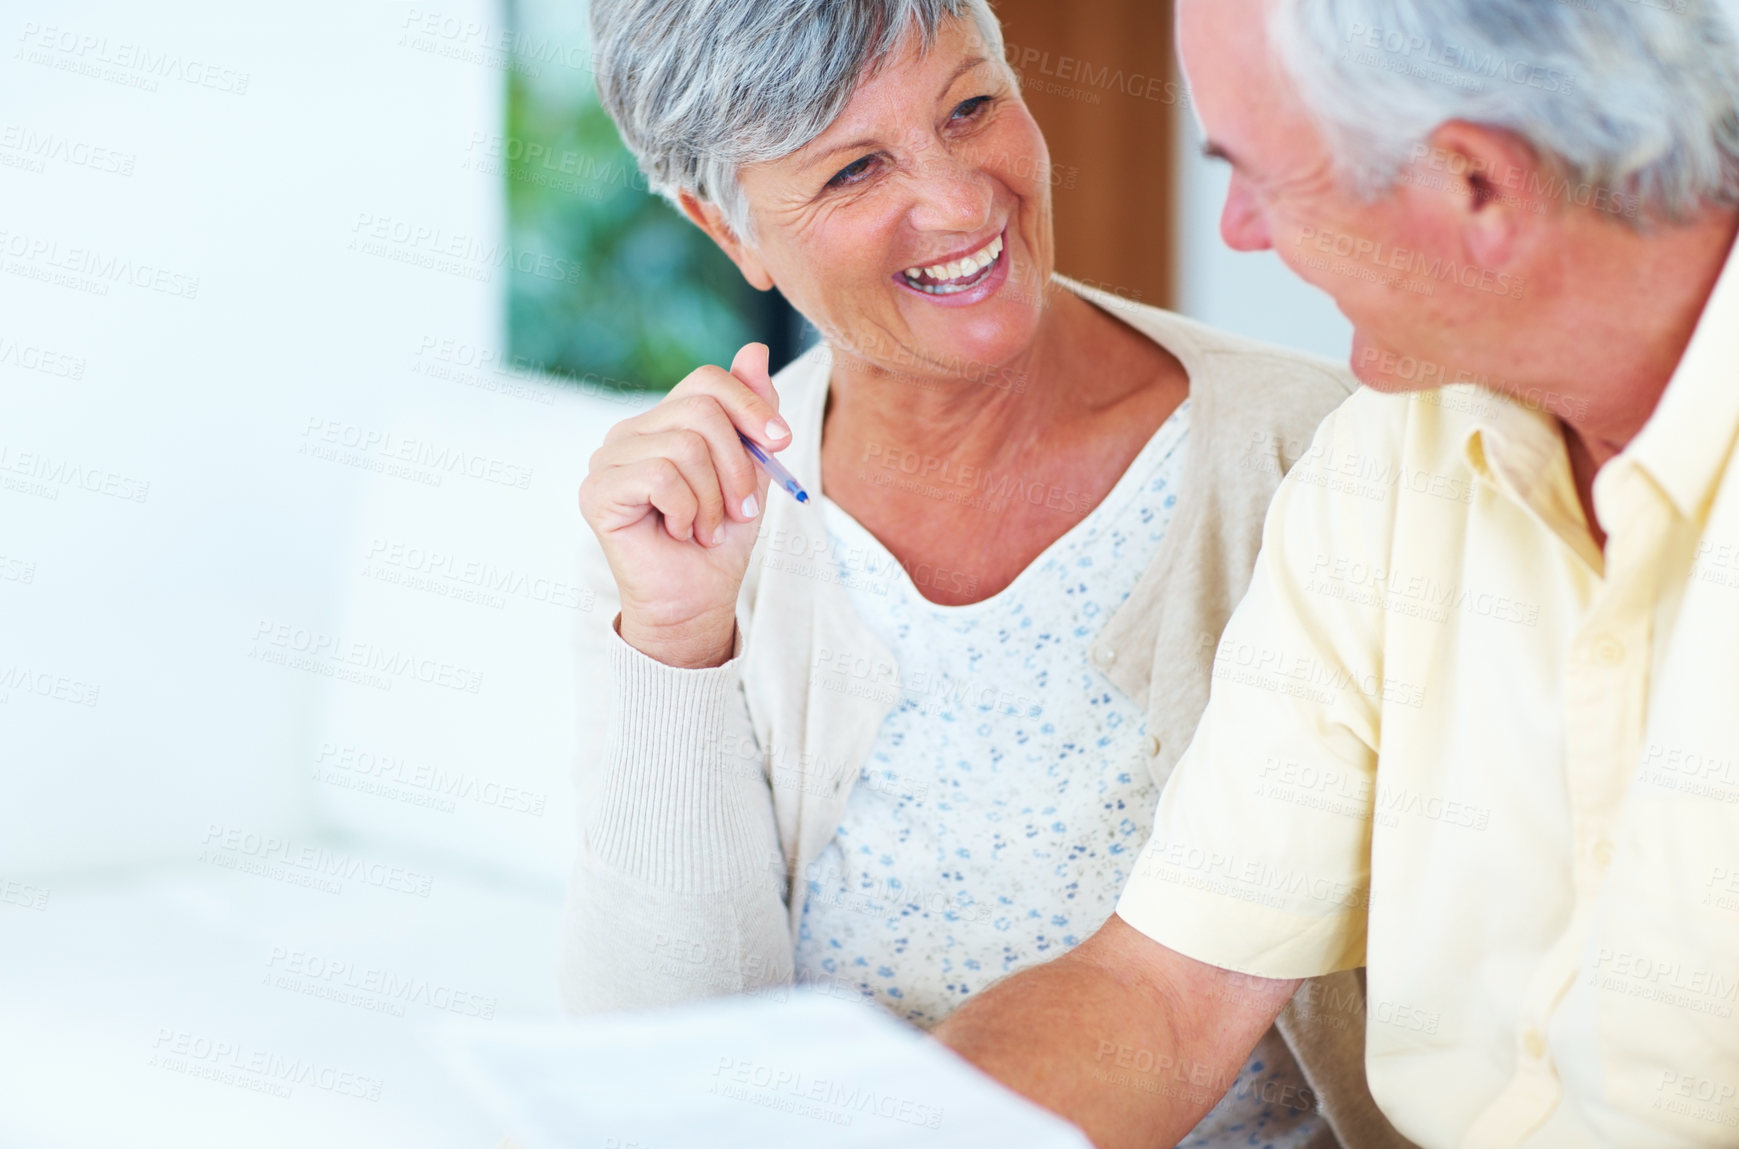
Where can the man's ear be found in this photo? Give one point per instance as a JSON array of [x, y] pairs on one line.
[[1495, 183], [711, 220]]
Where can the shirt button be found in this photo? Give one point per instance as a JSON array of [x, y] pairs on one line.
[[1152, 746], [1603, 853], [1108, 656], [1609, 651], [1533, 1044]]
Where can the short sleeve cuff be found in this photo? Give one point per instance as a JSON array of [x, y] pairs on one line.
[[1232, 932]]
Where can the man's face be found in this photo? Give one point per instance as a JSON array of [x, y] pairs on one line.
[[1396, 266]]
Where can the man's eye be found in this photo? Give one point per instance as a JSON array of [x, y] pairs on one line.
[[852, 173], [971, 108]]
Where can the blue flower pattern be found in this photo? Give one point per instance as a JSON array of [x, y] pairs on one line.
[[1007, 796]]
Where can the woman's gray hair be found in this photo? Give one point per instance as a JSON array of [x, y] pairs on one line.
[[701, 88], [1634, 99]]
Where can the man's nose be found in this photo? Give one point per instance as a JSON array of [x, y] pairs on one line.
[[1243, 224]]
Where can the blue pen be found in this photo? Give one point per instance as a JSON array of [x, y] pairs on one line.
[[769, 464]]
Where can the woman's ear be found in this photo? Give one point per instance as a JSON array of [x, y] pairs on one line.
[[711, 220]]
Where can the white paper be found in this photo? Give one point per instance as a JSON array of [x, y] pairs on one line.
[[807, 1071]]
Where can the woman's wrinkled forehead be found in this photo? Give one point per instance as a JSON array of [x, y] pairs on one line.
[[702, 89], [899, 95]]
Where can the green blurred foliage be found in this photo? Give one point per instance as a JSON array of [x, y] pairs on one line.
[[644, 297]]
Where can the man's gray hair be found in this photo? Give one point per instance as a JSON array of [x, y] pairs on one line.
[[701, 88], [1635, 100]]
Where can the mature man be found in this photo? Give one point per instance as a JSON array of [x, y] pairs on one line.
[[1476, 727]]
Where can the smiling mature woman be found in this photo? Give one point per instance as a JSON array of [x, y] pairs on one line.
[[907, 738]]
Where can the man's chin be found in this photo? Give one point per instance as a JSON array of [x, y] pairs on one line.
[[1379, 368]]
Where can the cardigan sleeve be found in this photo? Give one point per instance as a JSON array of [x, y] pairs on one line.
[[679, 888]]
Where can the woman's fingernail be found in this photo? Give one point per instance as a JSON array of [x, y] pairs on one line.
[[776, 429], [750, 506]]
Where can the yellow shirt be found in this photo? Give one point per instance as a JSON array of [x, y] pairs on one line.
[[1452, 741]]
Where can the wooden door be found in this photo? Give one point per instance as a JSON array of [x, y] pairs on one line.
[[1101, 79]]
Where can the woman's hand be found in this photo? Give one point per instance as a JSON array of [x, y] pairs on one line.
[[676, 502]]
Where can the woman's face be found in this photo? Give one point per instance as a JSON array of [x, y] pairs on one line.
[[915, 232]]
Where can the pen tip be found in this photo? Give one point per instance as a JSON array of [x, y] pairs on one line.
[[803, 496]]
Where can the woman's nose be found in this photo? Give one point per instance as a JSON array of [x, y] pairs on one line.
[[1243, 223], [952, 195]]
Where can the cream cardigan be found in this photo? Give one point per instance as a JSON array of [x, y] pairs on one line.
[[717, 788]]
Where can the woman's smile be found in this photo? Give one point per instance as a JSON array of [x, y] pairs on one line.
[[963, 282]]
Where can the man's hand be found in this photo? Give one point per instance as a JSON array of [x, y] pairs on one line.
[[1131, 1041]]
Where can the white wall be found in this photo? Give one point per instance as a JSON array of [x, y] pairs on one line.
[[209, 833], [311, 167]]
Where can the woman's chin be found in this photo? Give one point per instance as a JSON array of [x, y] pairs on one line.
[[974, 342], [994, 360]]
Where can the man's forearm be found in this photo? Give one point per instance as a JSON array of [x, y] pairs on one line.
[[1132, 1042]]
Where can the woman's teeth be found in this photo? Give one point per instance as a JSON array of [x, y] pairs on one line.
[[948, 278]]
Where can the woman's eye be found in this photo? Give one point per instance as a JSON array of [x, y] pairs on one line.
[[971, 107], [852, 173]]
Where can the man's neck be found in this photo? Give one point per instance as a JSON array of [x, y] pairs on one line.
[[1614, 359]]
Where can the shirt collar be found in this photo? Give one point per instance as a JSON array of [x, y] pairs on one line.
[[1683, 447], [1520, 450], [1510, 444], [1685, 444]]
